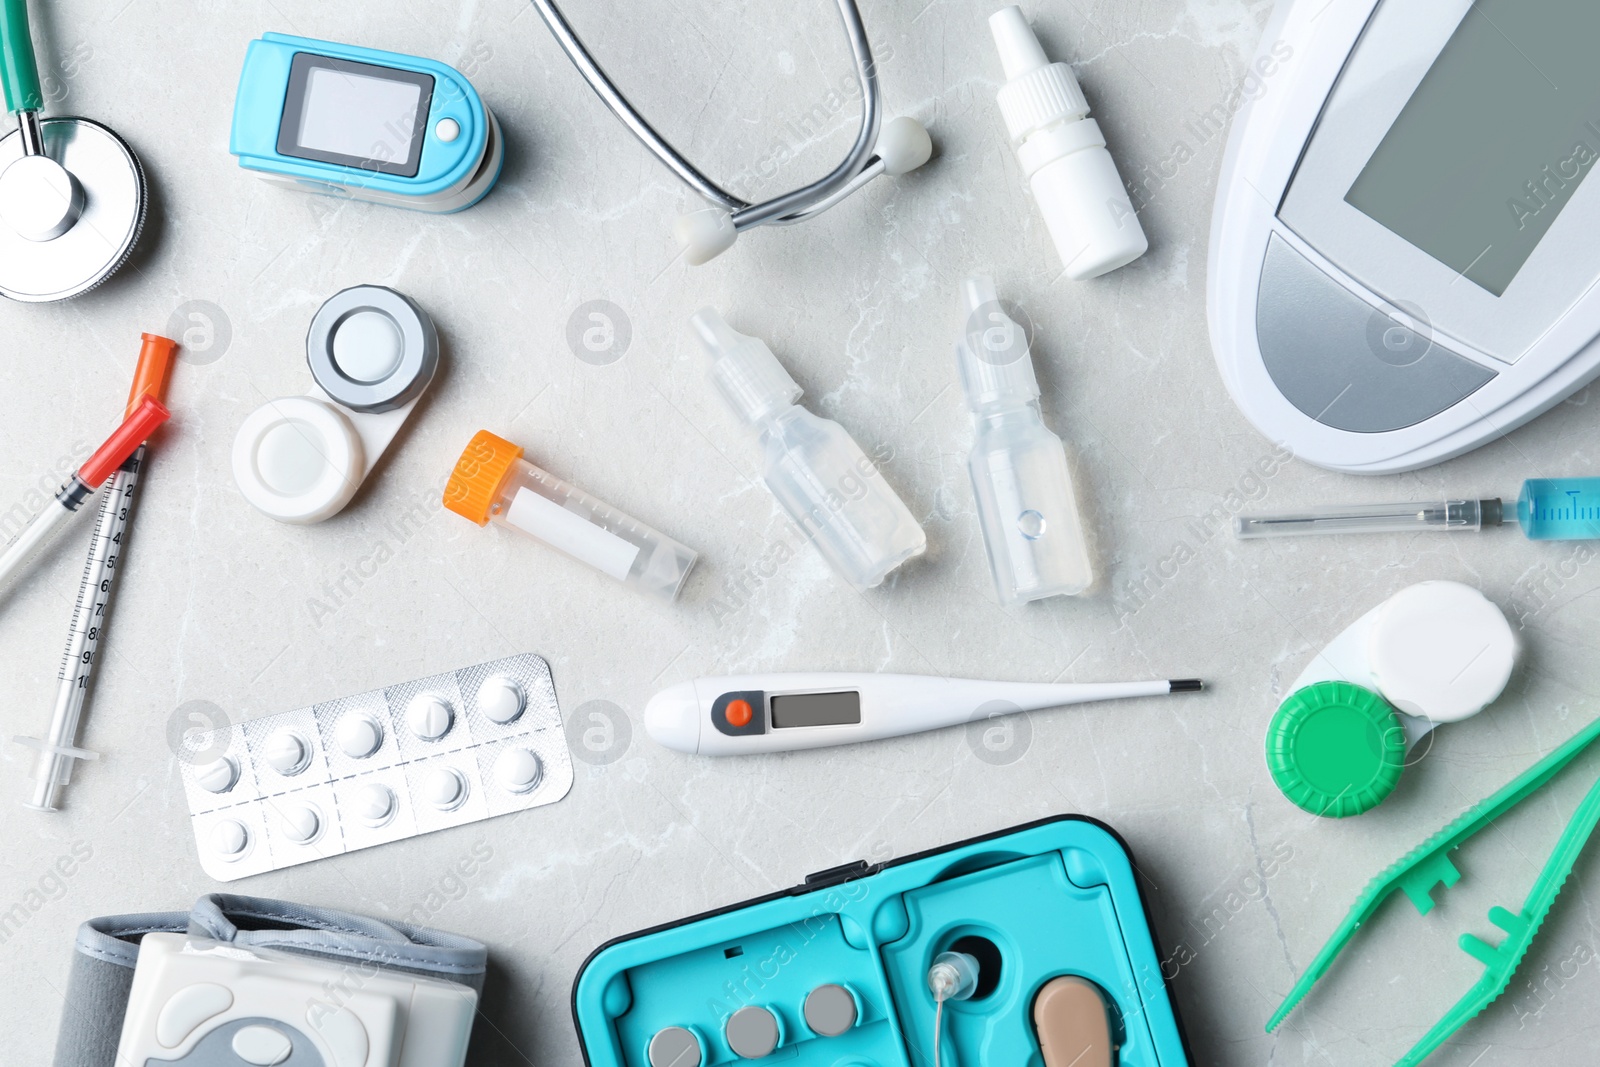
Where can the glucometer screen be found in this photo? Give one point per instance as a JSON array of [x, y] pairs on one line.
[[355, 114], [816, 709], [1495, 140]]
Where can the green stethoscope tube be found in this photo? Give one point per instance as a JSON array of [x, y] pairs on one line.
[[19, 71]]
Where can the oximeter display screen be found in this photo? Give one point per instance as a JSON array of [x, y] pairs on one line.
[[816, 709], [355, 114], [1495, 140]]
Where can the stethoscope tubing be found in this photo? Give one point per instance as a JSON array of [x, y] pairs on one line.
[[793, 206]]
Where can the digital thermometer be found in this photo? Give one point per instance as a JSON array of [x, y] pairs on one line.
[[745, 714], [1402, 264], [368, 125]]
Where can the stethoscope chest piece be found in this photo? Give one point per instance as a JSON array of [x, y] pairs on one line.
[[69, 214], [72, 193]]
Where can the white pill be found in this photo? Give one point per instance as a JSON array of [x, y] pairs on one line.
[[229, 838], [518, 770], [501, 699], [218, 776], [301, 823], [444, 788], [429, 717], [287, 752], [358, 735], [374, 804]]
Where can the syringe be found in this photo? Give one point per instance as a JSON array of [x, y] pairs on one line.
[[109, 542], [43, 527], [1548, 509]]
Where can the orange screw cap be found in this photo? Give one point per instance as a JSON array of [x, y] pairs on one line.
[[479, 473]]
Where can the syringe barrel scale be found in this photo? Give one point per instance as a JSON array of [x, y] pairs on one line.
[[1560, 509], [53, 765]]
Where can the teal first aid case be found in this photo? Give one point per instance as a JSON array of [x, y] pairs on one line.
[[841, 962]]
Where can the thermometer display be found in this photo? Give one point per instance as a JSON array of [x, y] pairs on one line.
[[815, 709]]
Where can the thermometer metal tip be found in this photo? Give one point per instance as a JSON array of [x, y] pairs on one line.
[[1186, 685]]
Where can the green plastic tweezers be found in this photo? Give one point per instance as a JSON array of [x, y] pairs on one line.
[[1429, 865]]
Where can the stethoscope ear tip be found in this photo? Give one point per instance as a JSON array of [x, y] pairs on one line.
[[704, 234], [903, 145]]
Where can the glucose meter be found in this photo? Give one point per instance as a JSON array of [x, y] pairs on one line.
[[369, 125], [1402, 261], [372, 353]]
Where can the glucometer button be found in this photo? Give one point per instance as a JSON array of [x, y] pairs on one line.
[[262, 1046], [518, 770], [752, 1032], [447, 130], [367, 347], [1343, 362], [187, 1009], [739, 713], [374, 804]]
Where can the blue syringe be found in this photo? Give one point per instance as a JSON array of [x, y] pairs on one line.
[[1548, 509]]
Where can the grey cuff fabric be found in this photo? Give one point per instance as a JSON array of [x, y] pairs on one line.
[[107, 951], [99, 983]]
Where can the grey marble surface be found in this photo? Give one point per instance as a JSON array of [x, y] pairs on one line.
[[223, 606]]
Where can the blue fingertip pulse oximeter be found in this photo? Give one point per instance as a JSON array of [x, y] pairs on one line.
[[368, 125]]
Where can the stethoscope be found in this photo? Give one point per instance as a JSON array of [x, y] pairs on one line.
[[72, 193], [903, 146]]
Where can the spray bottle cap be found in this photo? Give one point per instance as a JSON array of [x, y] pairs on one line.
[[744, 368], [992, 353], [1037, 92]]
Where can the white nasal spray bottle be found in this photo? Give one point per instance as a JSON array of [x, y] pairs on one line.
[[814, 468], [1063, 155]]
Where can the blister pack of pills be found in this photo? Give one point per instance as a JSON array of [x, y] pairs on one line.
[[377, 767]]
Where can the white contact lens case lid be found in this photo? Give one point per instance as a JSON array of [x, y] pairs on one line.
[[1438, 651]]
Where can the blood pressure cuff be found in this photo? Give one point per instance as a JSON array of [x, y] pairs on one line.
[[108, 949]]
